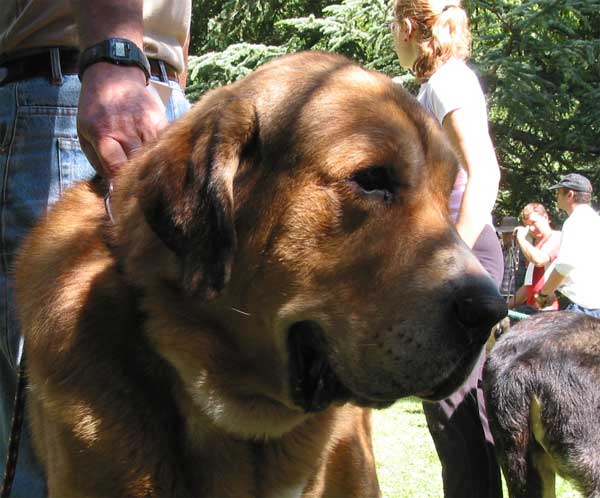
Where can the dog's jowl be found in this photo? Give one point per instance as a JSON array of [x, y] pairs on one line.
[[278, 262], [542, 384]]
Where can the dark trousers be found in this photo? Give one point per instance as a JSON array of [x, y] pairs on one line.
[[459, 424]]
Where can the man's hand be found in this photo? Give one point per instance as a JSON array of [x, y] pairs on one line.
[[543, 300], [522, 232], [117, 115]]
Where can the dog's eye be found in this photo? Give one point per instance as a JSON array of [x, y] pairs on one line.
[[377, 181]]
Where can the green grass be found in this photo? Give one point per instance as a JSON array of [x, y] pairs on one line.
[[407, 464]]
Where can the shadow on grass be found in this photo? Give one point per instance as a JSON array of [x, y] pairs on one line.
[[406, 461]]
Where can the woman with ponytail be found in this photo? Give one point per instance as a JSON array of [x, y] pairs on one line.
[[432, 38]]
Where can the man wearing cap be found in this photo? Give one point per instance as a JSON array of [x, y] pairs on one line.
[[576, 273]]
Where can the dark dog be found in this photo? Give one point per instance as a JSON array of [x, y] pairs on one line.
[[542, 384], [281, 258]]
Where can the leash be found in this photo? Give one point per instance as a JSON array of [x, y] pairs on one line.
[[515, 316], [107, 203], [16, 425], [513, 261], [513, 264]]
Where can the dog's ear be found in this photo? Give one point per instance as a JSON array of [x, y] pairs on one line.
[[186, 188]]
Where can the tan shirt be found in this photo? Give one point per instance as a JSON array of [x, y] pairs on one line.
[[29, 24]]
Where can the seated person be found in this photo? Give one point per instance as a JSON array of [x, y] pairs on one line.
[[539, 244]]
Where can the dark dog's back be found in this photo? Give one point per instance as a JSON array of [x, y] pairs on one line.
[[542, 384]]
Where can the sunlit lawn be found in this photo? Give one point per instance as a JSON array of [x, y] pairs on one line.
[[407, 464]]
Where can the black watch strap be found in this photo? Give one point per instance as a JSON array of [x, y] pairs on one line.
[[118, 51]]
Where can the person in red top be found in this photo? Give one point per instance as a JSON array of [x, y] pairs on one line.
[[539, 244]]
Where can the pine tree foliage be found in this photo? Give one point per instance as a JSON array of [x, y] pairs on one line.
[[539, 61], [220, 68], [356, 28]]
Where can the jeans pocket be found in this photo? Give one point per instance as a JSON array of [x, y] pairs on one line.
[[7, 115], [4, 133], [73, 165]]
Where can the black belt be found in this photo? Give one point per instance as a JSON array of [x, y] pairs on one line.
[[40, 65]]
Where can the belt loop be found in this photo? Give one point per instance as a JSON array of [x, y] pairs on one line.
[[164, 77], [57, 76]]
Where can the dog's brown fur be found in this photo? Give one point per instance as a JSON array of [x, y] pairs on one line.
[[282, 250]]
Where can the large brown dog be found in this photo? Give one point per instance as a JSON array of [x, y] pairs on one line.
[[282, 250]]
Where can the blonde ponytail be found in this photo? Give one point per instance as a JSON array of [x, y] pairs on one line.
[[443, 28]]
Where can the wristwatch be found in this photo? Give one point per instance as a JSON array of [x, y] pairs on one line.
[[120, 51]]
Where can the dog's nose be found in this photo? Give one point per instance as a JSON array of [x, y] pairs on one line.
[[479, 306]]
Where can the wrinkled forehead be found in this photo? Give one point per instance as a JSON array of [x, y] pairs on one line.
[[534, 217], [366, 119]]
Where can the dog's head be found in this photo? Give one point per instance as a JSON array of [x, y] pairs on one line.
[[301, 216]]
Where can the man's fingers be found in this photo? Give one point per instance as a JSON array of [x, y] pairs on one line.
[[111, 154], [152, 127], [147, 131], [92, 157], [131, 144], [108, 153]]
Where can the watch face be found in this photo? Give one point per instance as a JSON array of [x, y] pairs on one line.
[[120, 49]]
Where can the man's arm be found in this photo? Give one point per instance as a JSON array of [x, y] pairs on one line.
[[183, 75], [117, 113], [534, 255], [545, 297], [519, 298]]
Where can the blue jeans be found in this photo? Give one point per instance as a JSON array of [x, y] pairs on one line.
[[581, 309], [40, 157]]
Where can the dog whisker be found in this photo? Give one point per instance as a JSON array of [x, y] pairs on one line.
[[240, 311]]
